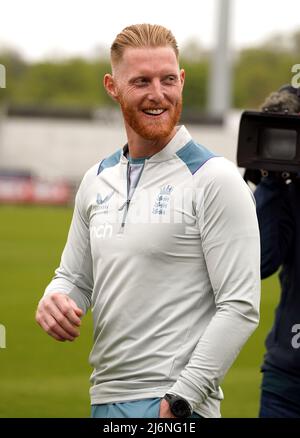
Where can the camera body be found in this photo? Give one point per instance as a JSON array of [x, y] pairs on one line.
[[269, 141]]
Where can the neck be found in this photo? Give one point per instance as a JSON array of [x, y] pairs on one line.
[[140, 147]]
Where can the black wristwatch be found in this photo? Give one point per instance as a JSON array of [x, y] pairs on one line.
[[178, 406]]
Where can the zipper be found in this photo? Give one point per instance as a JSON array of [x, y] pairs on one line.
[[128, 200], [126, 205]]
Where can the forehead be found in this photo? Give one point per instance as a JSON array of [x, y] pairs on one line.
[[148, 60]]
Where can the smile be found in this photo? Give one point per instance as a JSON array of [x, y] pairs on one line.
[[154, 112]]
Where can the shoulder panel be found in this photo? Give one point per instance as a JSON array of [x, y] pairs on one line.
[[111, 161], [194, 156]]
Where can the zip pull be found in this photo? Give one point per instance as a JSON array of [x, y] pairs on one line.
[[125, 213], [125, 203]]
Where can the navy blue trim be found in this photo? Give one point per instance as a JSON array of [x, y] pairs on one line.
[[111, 161], [194, 156]]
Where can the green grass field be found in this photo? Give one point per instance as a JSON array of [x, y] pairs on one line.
[[40, 377]]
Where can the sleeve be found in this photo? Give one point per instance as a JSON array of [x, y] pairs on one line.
[[74, 276], [275, 223], [230, 240]]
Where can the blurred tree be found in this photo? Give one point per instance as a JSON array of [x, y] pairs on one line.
[[15, 68], [192, 51], [277, 43], [72, 82], [296, 43], [196, 84], [194, 60], [258, 72]]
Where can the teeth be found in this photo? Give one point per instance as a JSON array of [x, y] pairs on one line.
[[155, 112]]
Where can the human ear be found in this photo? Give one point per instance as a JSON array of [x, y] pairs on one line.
[[182, 77], [110, 86]]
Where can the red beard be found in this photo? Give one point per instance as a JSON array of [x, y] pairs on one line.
[[149, 129]]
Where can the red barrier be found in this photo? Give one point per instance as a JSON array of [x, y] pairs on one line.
[[27, 190]]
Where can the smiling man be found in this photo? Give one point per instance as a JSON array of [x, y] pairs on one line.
[[148, 85], [163, 246]]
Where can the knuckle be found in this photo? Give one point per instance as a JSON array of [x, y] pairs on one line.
[[54, 297], [52, 325], [61, 319], [47, 306], [65, 309]]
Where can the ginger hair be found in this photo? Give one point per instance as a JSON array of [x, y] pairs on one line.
[[142, 36]]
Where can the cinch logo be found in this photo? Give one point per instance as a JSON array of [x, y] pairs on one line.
[[104, 231], [2, 76], [296, 339], [2, 336], [162, 200]]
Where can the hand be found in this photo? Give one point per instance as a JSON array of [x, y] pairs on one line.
[[165, 411], [59, 316]]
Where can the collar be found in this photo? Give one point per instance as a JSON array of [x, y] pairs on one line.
[[180, 139]]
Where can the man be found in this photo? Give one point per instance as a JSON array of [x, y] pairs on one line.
[[163, 245], [278, 210]]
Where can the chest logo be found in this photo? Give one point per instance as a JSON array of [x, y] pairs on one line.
[[101, 201], [162, 200]]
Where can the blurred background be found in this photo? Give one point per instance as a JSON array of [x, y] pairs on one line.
[[56, 121]]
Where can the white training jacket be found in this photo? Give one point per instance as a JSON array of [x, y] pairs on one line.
[[172, 275]]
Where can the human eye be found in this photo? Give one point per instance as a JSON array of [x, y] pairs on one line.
[[141, 82], [170, 79]]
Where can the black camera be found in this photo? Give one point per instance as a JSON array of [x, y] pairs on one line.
[[269, 140]]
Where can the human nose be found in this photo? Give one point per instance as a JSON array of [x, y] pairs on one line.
[[156, 92]]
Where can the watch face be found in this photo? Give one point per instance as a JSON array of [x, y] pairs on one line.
[[180, 408]]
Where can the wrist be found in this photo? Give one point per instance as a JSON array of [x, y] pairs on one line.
[[179, 406]]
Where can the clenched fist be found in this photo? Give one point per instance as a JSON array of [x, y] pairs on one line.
[[59, 316]]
